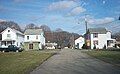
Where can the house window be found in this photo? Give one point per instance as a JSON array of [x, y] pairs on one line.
[[17, 36], [95, 35], [8, 35], [27, 37], [36, 37], [95, 42], [8, 30]]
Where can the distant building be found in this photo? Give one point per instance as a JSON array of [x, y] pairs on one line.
[[79, 42], [50, 45], [99, 38], [34, 39], [11, 37]]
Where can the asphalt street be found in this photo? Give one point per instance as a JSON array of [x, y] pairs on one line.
[[69, 61]]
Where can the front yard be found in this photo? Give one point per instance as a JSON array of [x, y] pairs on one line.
[[22, 62], [112, 57]]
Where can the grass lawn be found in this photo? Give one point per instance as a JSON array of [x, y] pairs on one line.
[[112, 57], [22, 62]]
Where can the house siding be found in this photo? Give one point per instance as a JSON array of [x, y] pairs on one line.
[[40, 39], [18, 38], [32, 38], [102, 39], [79, 41], [12, 34]]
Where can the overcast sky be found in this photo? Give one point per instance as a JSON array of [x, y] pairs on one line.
[[68, 15]]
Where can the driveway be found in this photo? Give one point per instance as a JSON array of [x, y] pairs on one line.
[[69, 61]]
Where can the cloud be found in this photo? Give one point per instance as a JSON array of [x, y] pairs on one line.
[[70, 7], [62, 5], [36, 18], [19, 1], [105, 20], [77, 11], [103, 2]]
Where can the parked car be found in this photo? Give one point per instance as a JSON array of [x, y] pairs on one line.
[[11, 48]]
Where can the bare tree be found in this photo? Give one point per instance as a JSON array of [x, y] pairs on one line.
[[45, 28], [30, 26], [58, 30]]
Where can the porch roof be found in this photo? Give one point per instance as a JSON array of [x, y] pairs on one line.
[[33, 31], [32, 42], [7, 40], [111, 39]]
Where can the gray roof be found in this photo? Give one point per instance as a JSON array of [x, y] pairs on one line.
[[33, 31], [97, 30]]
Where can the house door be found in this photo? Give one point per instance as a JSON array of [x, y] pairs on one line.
[[77, 45], [30, 46]]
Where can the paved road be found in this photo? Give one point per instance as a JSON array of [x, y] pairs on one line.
[[70, 61]]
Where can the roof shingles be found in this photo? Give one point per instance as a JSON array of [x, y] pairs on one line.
[[33, 31], [97, 30]]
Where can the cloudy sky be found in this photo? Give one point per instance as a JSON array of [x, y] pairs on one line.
[[68, 15]]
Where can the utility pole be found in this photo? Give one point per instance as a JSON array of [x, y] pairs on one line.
[[86, 23], [87, 40]]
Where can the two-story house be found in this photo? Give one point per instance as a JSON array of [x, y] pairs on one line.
[[34, 39], [99, 38], [11, 37]]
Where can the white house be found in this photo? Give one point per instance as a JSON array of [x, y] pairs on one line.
[[11, 37], [34, 39], [99, 38], [50, 45], [79, 42]]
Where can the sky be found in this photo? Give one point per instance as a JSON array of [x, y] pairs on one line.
[[69, 15]]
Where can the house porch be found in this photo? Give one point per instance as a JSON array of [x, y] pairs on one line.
[[32, 45], [111, 42], [7, 42]]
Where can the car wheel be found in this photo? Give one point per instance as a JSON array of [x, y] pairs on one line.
[[17, 51]]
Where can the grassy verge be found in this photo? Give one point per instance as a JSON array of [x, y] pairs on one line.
[[112, 57], [21, 63]]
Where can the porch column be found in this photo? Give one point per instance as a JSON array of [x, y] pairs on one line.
[[6, 43], [12, 42]]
